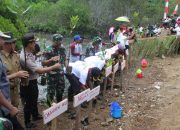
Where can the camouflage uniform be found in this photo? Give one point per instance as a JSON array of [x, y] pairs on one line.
[[90, 50], [94, 47], [55, 79]]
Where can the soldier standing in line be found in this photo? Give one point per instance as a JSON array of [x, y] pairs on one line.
[[94, 47], [55, 79]]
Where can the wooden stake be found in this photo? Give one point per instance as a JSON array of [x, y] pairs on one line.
[[121, 79], [104, 91], [112, 83], [54, 124], [78, 114], [90, 102]]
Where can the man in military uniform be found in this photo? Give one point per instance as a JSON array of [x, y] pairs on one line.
[[55, 79], [12, 63], [94, 46]]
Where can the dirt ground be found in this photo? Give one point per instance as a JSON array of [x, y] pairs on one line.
[[150, 103]]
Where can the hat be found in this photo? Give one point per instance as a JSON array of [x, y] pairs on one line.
[[3, 35], [57, 37], [11, 39], [28, 38], [77, 38], [97, 39]]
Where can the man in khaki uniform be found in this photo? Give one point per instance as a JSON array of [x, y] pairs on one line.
[[12, 63], [10, 110]]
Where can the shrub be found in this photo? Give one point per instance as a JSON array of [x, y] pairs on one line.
[[53, 17]]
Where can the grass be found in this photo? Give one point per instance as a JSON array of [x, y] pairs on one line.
[[150, 48]]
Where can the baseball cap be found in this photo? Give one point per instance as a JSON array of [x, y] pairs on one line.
[[77, 37], [3, 35]]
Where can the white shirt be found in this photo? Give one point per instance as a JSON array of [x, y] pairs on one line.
[[177, 29], [95, 61], [157, 30], [108, 53], [80, 69], [122, 41], [141, 29], [31, 65]]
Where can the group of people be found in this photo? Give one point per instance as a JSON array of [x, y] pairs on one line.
[[124, 37], [76, 51], [19, 74], [164, 27]]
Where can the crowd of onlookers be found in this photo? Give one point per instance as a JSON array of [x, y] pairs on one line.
[[160, 29]]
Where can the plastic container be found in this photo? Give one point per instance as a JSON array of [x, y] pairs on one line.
[[140, 75], [116, 110], [144, 63], [138, 71]]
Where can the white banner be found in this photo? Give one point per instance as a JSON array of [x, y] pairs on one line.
[[93, 93], [108, 70], [55, 111], [116, 66], [81, 97]]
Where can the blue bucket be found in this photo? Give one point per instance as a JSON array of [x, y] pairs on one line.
[[116, 110]]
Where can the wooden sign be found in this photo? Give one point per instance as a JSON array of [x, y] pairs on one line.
[[55, 111], [123, 64], [116, 66], [93, 93], [108, 70], [81, 97]]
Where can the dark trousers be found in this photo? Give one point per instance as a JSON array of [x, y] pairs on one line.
[[29, 94], [74, 87]]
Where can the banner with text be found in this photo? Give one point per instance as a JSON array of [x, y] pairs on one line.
[[93, 93], [55, 111], [81, 97]]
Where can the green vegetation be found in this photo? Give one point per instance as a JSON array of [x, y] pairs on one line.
[[11, 18], [69, 17], [58, 17], [153, 47]]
